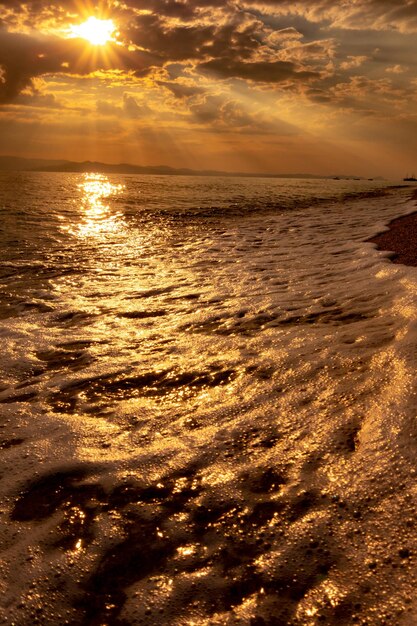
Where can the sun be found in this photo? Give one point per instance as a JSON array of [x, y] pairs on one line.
[[97, 32]]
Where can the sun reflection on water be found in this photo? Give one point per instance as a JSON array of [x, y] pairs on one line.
[[98, 217]]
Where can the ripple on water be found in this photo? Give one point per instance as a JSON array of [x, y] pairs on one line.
[[205, 419]]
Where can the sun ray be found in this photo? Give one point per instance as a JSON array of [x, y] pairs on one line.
[[95, 31]]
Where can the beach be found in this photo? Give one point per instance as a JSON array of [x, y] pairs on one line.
[[400, 238], [207, 402]]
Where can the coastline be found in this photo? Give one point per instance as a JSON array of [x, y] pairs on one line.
[[400, 238]]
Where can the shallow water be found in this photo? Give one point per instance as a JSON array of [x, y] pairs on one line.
[[207, 403]]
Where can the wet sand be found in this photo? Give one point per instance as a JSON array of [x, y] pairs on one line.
[[401, 238]]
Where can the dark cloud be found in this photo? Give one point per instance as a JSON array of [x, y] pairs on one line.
[[24, 57], [361, 14], [240, 35], [272, 68], [269, 72], [261, 41], [165, 33], [181, 90], [168, 8]]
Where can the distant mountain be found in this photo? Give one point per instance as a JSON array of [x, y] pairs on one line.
[[20, 164]]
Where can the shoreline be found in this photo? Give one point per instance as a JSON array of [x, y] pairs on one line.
[[400, 238]]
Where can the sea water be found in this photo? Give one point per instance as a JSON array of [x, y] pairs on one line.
[[207, 404]]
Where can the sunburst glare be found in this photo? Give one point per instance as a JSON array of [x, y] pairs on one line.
[[95, 31]]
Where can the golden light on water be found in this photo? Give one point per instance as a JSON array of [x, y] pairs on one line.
[[98, 217], [95, 31], [186, 550]]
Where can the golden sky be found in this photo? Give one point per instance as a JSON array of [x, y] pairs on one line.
[[264, 86]]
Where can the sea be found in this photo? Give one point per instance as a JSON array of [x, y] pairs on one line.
[[208, 408]]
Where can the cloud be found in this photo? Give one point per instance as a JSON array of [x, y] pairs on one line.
[[41, 100], [311, 55], [213, 59], [225, 114], [396, 69], [212, 35], [362, 94], [216, 37], [353, 62], [132, 109], [398, 15], [283, 36], [181, 90], [107, 108], [24, 57], [260, 71], [169, 8]]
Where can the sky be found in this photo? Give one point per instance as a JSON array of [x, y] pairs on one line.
[[272, 86]]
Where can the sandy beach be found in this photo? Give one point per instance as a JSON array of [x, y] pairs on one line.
[[401, 238]]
